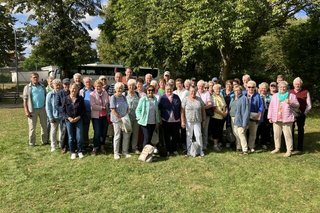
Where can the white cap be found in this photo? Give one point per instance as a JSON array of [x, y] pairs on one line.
[[166, 73]]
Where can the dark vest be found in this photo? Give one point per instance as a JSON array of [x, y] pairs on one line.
[[302, 98]]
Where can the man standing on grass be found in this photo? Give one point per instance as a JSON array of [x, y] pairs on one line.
[[34, 97]]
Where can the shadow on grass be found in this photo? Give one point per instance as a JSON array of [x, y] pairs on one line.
[[311, 142]]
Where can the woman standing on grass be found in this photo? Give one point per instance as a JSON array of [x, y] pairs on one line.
[[220, 112], [148, 115], [193, 117], [240, 113], [54, 116], [207, 100], [73, 108], [119, 108], [99, 101], [170, 111], [132, 97], [281, 115]]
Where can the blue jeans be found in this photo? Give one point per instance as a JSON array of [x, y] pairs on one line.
[[100, 131], [75, 135], [64, 135]]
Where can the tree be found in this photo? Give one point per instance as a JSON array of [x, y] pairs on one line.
[[60, 35], [6, 36], [199, 34]]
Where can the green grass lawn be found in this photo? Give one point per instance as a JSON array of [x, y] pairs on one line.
[[32, 179]]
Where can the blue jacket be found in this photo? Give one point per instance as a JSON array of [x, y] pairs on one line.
[[166, 107], [51, 106], [142, 111], [62, 94], [256, 103], [242, 115]]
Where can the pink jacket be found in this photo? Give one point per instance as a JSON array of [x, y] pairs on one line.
[[287, 115], [95, 102]]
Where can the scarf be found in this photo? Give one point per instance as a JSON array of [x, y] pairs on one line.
[[283, 97]]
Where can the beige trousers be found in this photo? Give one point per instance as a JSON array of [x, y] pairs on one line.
[[278, 128], [32, 123]]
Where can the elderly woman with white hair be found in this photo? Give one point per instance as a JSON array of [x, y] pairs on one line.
[[77, 79], [264, 127], [192, 118], [281, 115], [208, 104], [119, 108], [256, 110], [220, 112], [53, 114], [133, 97], [304, 100]]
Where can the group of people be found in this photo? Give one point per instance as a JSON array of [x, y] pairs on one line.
[[167, 113]]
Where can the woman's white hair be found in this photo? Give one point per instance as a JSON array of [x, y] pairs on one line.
[[264, 84], [252, 83], [216, 86], [283, 83], [56, 81], [201, 83], [118, 85], [132, 82]]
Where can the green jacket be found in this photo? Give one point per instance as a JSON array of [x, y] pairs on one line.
[[142, 111]]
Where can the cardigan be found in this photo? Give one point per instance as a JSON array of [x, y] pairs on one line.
[[95, 103], [287, 113], [166, 107], [142, 111]]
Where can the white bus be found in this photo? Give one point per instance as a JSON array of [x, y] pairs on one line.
[[96, 70]]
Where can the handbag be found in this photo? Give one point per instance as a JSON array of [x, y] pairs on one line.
[[210, 112], [126, 124], [146, 154], [230, 136]]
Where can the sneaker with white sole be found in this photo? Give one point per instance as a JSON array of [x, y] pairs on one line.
[[127, 156], [275, 151], [155, 151], [80, 155], [116, 156], [252, 150], [73, 156], [53, 149], [287, 154]]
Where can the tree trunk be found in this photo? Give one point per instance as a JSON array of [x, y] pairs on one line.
[[225, 65]]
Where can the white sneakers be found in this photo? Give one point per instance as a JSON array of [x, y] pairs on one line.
[[80, 155], [53, 149], [116, 156], [74, 155]]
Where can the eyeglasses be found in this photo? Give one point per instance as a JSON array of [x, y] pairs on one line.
[[206, 87], [251, 87], [103, 79]]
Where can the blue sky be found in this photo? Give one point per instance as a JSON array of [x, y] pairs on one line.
[[94, 21]]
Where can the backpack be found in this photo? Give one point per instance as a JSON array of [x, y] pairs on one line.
[[146, 154]]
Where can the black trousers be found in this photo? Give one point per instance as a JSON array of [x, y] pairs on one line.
[[300, 122], [171, 135]]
